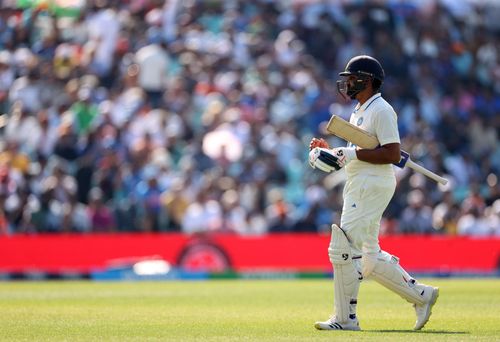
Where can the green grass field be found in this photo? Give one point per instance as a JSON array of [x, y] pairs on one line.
[[250, 310]]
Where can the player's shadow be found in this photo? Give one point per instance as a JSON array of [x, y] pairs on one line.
[[422, 332]]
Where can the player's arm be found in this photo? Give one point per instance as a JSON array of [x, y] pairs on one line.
[[326, 159], [386, 129], [387, 154]]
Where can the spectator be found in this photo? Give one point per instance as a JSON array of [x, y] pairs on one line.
[[473, 223], [445, 215], [101, 217], [279, 213], [6, 78], [417, 217], [204, 214], [153, 62]]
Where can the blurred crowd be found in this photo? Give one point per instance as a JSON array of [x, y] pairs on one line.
[[193, 116]]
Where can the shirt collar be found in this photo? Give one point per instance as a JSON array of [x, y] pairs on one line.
[[367, 103]]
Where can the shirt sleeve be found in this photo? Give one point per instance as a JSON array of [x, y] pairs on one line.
[[386, 126]]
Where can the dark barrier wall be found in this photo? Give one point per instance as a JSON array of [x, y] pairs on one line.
[[297, 252]]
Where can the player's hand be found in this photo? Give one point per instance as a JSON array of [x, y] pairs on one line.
[[315, 142], [331, 160]]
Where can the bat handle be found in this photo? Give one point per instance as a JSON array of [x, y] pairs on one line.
[[411, 164], [405, 156]]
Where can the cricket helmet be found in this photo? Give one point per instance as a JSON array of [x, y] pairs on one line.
[[365, 68]]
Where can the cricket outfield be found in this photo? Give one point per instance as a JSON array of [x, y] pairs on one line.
[[234, 310]]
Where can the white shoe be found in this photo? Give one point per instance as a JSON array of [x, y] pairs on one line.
[[424, 311], [332, 324]]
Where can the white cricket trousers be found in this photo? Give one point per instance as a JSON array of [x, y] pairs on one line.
[[365, 200]]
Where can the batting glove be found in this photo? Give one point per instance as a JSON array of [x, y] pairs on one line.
[[322, 159], [344, 155]]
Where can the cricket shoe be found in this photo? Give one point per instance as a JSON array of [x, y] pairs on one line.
[[424, 311], [332, 324]]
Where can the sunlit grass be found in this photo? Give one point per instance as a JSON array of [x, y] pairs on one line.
[[253, 310]]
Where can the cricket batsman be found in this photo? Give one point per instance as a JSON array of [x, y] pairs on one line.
[[354, 249]]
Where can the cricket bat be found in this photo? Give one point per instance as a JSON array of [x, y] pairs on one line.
[[347, 131]]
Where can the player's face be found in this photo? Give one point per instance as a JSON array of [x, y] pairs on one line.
[[350, 86], [351, 80]]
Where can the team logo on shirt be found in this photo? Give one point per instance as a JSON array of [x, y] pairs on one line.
[[360, 121]]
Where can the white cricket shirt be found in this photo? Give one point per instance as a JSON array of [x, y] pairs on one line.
[[377, 117]]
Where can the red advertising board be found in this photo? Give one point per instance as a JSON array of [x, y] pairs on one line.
[[283, 252]]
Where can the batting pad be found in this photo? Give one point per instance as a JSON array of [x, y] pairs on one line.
[[384, 268], [346, 278]]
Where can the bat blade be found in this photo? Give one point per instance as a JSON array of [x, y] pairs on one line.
[[347, 131]]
